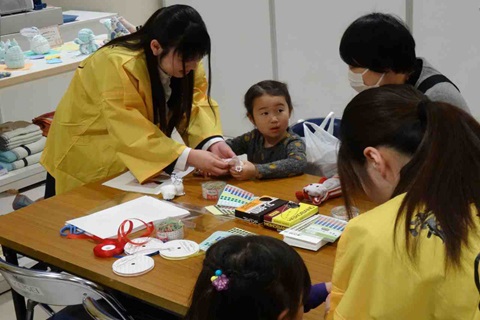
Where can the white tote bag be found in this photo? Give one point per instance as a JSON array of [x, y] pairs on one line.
[[322, 148]]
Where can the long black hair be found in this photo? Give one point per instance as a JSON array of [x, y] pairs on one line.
[[179, 28], [266, 276], [443, 143]]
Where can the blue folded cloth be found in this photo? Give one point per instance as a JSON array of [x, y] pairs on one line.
[[8, 156], [69, 18], [23, 151], [27, 161]]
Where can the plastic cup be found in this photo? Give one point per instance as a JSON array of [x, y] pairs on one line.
[[340, 212]]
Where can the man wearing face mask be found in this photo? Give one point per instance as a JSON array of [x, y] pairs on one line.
[[380, 50]]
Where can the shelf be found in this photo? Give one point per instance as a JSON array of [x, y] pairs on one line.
[[23, 177]]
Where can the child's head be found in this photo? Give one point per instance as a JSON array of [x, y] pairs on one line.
[[267, 279], [269, 106]]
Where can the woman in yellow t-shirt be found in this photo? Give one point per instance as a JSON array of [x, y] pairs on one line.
[[125, 100], [413, 256]]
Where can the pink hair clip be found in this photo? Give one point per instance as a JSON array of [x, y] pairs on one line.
[[219, 281]]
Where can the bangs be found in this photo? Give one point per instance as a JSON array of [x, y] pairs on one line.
[[194, 45], [359, 48]]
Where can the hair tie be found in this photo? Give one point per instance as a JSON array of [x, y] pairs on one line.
[[422, 112], [220, 281]]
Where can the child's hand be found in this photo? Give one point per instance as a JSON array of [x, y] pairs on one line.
[[249, 171], [130, 27]]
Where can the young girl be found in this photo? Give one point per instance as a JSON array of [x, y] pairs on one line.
[[413, 256], [253, 277], [273, 150], [125, 100]]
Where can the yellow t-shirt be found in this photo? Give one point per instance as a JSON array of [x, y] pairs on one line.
[[374, 279]]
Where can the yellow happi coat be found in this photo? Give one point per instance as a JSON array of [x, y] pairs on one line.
[[104, 123], [373, 279]]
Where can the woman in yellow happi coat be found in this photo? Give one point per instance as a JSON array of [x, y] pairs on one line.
[[126, 99], [413, 256]]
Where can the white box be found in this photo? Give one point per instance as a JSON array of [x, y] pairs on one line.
[[38, 18]]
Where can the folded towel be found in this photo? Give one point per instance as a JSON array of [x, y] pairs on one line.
[[12, 125], [7, 136], [18, 141], [23, 151], [28, 161]]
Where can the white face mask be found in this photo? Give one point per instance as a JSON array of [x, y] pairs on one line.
[[357, 83]]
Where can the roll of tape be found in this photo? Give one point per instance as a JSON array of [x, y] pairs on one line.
[[171, 235], [211, 190], [108, 249]]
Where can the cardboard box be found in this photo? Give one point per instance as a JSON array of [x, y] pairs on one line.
[[256, 209], [288, 215]]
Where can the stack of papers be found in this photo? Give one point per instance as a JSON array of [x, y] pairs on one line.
[[314, 232], [127, 182], [104, 224]]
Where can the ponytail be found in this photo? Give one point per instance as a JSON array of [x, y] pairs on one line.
[[443, 176]]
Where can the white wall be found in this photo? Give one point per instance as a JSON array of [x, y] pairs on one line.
[[446, 33], [136, 11], [308, 39], [241, 54]]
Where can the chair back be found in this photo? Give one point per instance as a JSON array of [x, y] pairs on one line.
[[53, 288], [298, 127]]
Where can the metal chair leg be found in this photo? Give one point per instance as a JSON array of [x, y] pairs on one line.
[[18, 300], [30, 306], [47, 309]]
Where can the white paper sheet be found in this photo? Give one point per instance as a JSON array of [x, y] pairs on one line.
[[127, 182], [104, 224]]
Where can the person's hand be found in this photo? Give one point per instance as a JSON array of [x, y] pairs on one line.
[[222, 149], [207, 162], [249, 171], [130, 27]]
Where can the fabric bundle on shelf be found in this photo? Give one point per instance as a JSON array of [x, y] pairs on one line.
[[27, 161], [44, 121], [23, 151], [19, 135]]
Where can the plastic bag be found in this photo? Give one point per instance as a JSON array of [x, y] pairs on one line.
[[321, 147]]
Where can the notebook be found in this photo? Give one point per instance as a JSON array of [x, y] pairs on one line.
[[104, 224]]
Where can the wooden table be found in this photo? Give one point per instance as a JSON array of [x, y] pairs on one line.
[[34, 231]]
